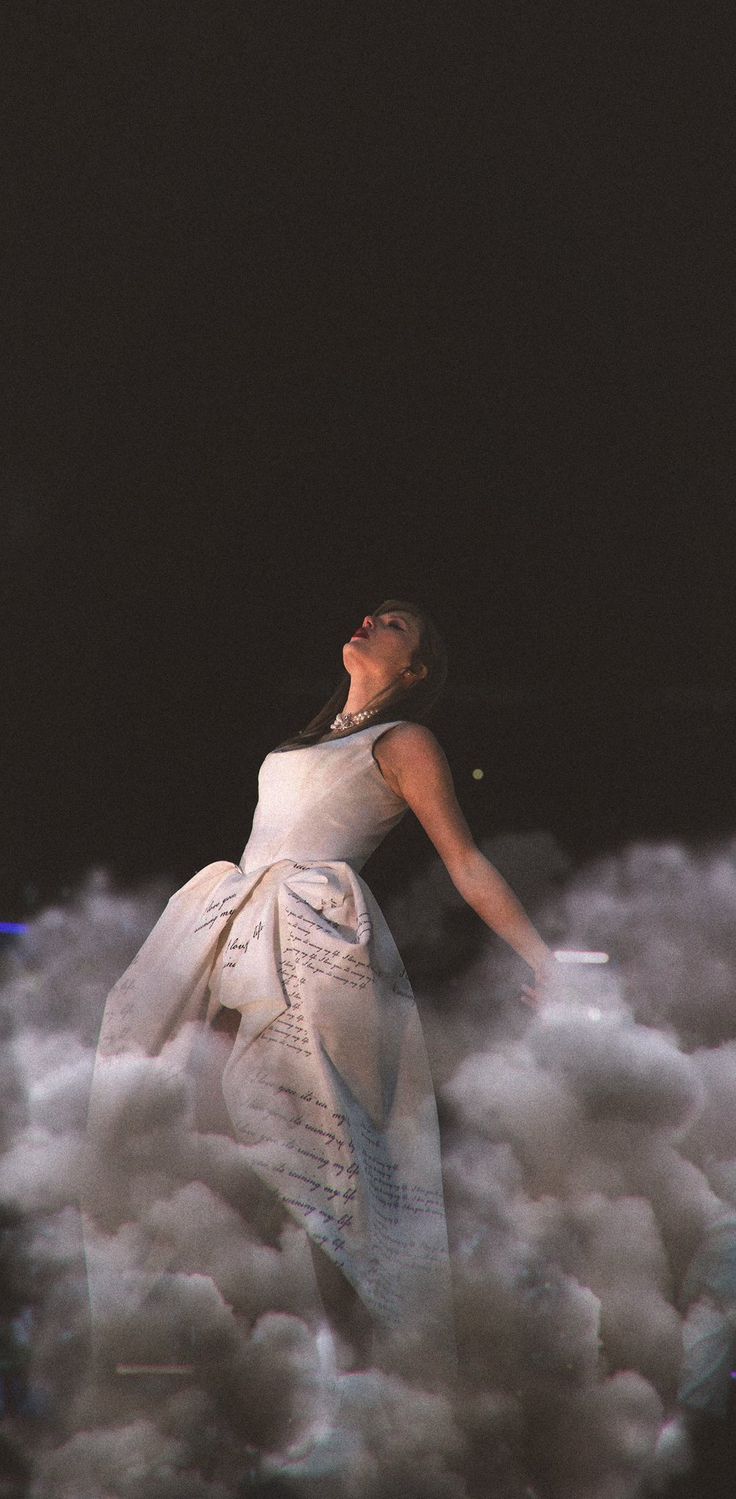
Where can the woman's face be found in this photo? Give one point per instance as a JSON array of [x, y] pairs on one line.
[[383, 644]]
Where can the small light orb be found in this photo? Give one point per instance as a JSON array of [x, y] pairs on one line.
[[478, 775]]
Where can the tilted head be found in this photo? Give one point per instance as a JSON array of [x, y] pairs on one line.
[[399, 645]]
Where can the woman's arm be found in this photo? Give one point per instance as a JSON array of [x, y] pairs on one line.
[[416, 766]]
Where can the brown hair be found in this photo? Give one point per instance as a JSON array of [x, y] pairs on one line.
[[414, 703]]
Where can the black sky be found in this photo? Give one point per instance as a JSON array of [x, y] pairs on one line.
[[307, 305]]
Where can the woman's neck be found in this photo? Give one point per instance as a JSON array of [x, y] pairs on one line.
[[363, 695]]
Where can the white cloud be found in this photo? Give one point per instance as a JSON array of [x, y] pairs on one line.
[[587, 1149]]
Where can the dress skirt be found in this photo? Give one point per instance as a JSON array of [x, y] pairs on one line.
[[327, 1086]]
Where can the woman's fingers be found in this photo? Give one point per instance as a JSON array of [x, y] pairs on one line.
[[530, 996], [534, 994]]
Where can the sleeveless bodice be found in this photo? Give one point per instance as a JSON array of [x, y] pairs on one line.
[[325, 803]]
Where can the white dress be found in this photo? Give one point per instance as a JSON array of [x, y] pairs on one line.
[[328, 1085]]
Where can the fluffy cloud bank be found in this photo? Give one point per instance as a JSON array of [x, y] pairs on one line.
[[590, 1152]]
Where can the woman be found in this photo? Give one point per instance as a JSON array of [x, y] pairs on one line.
[[277, 987]]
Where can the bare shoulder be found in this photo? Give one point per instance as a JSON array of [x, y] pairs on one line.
[[409, 740], [408, 751], [415, 766]]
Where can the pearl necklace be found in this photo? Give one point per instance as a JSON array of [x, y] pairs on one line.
[[349, 720]]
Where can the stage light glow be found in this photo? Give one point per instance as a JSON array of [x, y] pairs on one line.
[[15, 928], [572, 955], [478, 774]]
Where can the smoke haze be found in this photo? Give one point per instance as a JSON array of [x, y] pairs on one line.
[[588, 1149]]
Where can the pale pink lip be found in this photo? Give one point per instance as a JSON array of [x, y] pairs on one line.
[[359, 635]]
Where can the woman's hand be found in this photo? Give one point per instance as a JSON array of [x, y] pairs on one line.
[[535, 993]]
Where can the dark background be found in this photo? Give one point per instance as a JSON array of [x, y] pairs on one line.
[[305, 305]]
